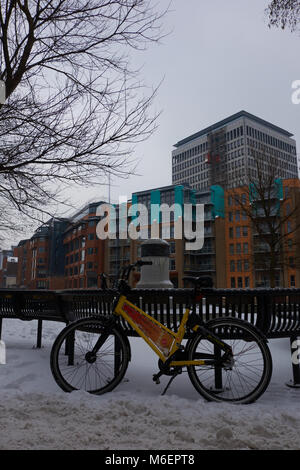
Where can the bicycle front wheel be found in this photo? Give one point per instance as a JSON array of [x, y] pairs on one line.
[[249, 375], [73, 365]]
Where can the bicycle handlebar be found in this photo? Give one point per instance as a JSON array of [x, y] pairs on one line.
[[127, 270]]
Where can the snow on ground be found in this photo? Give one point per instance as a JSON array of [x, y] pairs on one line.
[[36, 414]]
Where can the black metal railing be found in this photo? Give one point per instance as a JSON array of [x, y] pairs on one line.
[[276, 312]]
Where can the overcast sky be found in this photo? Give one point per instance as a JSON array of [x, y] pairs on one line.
[[219, 58]]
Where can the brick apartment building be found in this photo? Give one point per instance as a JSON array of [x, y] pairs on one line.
[[8, 268], [209, 167], [233, 249], [41, 258], [67, 254]]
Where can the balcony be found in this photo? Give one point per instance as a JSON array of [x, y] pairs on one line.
[[204, 268]]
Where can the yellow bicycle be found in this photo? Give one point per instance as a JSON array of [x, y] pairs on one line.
[[227, 359]]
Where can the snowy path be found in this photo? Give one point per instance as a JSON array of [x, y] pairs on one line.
[[35, 414]]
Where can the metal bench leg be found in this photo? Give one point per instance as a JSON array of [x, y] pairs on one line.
[[295, 352], [218, 371], [117, 356], [70, 346], [39, 334]]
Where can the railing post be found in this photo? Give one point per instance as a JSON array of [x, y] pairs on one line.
[[264, 314]]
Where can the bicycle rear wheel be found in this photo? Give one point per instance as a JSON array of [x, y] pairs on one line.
[[251, 372], [75, 368]]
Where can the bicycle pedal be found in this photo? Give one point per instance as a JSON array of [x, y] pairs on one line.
[[156, 379]]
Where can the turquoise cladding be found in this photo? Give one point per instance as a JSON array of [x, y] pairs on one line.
[[217, 199], [155, 203]]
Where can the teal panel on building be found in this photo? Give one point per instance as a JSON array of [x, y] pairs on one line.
[[217, 199], [155, 203], [179, 201], [279, 188], [134, 202], [252, 193], [279, 193], [193, 196]]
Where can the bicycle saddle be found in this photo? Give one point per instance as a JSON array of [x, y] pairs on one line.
[[200, 281]]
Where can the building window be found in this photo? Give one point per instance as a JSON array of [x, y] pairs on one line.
[[239, 265], [232, 282], [286, 192], [245, 248], [247, 281], [238, 248], [246, 265], [230, 216], [245, 231], [172, 265], [293, 283], [237, 232], [232, 266], [291, 262], [231, 248], [240, 282]]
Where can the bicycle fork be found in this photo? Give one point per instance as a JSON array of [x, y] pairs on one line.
[[226, 360], [91, 356]]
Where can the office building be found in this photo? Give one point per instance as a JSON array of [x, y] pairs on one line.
[[228, 153]]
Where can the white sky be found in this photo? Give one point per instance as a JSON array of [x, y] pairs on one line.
[[220, 58]]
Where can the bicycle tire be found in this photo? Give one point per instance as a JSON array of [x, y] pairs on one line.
[[249, 377], [70, 367]]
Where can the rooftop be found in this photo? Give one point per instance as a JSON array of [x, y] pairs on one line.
[[229, 119]]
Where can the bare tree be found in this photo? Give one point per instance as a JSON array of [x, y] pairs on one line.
[[284, 14], [74, 106], [273, 216]]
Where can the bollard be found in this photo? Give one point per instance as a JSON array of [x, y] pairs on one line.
[[155, 276]]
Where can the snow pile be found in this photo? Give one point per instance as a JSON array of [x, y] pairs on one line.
[[36, 414]]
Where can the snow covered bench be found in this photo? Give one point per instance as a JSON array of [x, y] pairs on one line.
[[31, 305]]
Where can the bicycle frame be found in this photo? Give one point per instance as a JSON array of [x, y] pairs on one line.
[[163, 341]]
